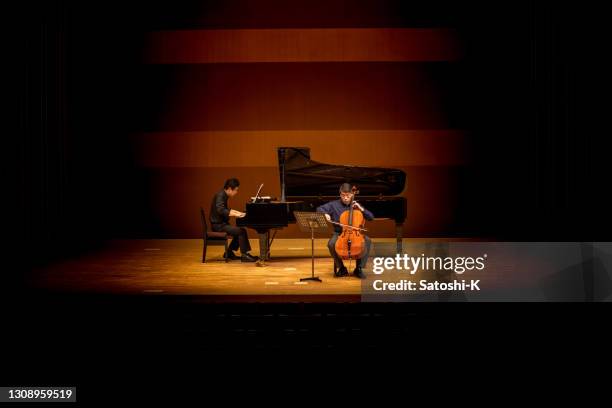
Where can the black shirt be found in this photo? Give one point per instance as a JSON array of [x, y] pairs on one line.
[[219, 211]]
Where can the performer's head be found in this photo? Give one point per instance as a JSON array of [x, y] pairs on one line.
[[231, 186], [346, 193]]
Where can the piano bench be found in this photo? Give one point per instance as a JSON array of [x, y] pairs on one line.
[[216, 235], [213, 237]]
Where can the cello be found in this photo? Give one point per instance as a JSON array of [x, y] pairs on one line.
[[351, 242]]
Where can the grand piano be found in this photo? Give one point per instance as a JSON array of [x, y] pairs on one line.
[[307, 184]]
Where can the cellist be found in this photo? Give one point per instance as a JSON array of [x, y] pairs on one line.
[[333, 210]]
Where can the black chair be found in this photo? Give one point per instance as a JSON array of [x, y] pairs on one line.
[[211, 237]]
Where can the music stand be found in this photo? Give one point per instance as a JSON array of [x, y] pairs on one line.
[[309, 222]]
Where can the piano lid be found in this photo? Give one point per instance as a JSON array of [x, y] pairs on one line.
[[301, 176]]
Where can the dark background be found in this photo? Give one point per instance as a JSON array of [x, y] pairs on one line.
[[527, 90]]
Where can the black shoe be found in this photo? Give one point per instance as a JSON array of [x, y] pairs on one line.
[[342, 271], [248, 258], [230, 255], [357, 272]]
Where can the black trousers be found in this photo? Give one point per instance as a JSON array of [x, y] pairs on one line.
[[332, 250], [241, 239]]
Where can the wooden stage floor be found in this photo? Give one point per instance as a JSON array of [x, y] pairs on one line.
[[174, 267]]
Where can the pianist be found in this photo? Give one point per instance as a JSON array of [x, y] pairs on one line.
[[332, 211], [219, 220]]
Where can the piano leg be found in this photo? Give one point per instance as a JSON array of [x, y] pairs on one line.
[[263, 246], [399, 231]]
